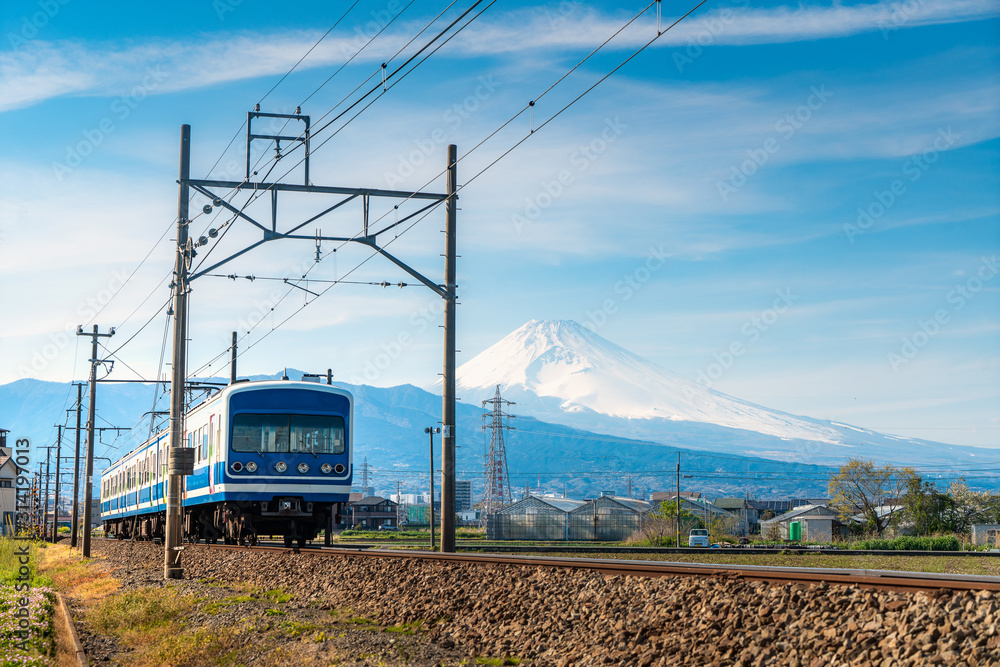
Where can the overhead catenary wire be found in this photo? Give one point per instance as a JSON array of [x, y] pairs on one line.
[[260, 192], [222, 155], [660, 33]]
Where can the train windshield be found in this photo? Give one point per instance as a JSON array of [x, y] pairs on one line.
[[306, 434]]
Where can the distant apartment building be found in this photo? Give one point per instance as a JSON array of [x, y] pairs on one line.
[[463, 495]]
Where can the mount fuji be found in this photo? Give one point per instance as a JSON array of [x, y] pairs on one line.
[[564, 373]]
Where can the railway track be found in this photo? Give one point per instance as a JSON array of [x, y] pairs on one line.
[[887, 580]]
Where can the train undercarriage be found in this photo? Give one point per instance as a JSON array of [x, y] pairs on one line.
[[237, 522]]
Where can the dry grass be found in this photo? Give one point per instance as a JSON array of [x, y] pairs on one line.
[[87, 580], [65, 651]]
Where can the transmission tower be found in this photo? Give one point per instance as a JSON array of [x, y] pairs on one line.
[[496, 490], [401, 512], [367, 489]]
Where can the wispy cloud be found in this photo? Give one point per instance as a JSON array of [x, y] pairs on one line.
[[43, 70]]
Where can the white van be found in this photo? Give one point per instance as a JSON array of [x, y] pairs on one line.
[[698, 538]]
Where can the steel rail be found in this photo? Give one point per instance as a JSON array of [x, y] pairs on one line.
[[889, 580]]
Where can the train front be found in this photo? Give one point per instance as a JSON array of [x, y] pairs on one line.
[[288, 465]]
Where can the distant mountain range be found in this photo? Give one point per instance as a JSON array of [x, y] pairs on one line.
[[562, 372], [592, 417]]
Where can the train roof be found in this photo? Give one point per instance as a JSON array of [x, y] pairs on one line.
[[241, 387]]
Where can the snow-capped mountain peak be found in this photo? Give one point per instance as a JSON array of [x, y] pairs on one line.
[[555, 368]]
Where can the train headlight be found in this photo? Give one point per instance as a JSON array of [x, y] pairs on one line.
[[326, 468], [303, 468], [237, 466], [339, 468], [281, 466], [251, 466]]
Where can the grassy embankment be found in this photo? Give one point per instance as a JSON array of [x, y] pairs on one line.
[[208, 623], [27, 629]]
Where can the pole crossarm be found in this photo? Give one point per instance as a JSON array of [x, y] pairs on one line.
[[320, 189], [202, 187], [219, 201], [437, 289]]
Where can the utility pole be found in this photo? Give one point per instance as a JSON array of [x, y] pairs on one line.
[[76, 469], [45, 501], [448, 377], [55, 509], [678, 544], [400, 507], [178, 375], [232, 361], [430, 431], [91, 418]]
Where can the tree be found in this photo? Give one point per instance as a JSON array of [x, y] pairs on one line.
[[925, 508], [861, 487], [969, 507], [661, 524]]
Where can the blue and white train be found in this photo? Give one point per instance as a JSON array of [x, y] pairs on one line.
[[271, 458]]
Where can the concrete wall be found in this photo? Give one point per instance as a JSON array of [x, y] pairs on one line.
[[986, 534]]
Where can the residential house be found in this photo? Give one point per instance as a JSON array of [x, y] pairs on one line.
[[660, 496], [8, 487], [788, 504], [747, 513], [371, 512]]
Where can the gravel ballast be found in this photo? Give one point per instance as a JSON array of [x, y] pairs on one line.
[[562, 617]]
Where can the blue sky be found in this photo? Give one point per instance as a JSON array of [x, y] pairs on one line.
[[819, 180]]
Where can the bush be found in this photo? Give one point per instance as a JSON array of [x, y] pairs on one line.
[[911, 543]]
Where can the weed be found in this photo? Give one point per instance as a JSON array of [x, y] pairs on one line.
[[406, 628], [360, 620], [187, 649], [296, 628], [278, 595], [138, 612], [274, 612]]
